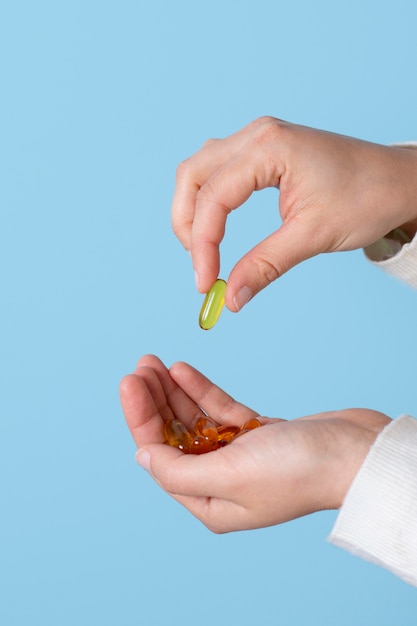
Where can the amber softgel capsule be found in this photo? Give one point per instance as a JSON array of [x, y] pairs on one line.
[[204, 436], [212, 305]]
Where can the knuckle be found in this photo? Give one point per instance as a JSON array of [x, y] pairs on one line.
[[206, 193], [210, 142], [177, 226], [183, 169], [265, 119], [268, 271], [261, 121], [270, 130]]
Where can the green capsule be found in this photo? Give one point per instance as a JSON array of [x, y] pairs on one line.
[[212, 305]]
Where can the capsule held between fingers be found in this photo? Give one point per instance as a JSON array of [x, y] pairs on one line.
[[212, 305]]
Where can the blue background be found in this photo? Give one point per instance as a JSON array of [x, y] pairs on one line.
[[99, 103]]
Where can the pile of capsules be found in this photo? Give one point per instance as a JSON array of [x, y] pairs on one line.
[[205, 435]]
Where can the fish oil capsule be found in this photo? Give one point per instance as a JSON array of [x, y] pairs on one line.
[[177, 435], [248, 426], [205, 427], [205, 435], [201, 445], [212, 305], [226, 433], [251, 424]]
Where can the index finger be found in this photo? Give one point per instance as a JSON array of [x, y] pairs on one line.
[[195, 172], [141, 413], [257, 162], [177, 401], [191, 174], [218, 404]]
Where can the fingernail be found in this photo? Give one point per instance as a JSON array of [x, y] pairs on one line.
[[242, 297], [196, 277], [143, 458]]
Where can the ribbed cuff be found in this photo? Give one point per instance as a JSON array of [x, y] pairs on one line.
[[378, 519], [397, 260]]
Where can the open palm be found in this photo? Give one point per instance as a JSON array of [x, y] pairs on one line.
[[272, 474]]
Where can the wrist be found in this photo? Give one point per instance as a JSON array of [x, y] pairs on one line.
[[407, 179], [404, 203], [360, 430]]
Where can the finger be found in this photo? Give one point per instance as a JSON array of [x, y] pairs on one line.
[[295, 241], [219, 405], [179, 403], [150, 360], [217, 514], [190, 475], [176, 473], [191, 174], [229, 187], [142, 416], [153, 382]]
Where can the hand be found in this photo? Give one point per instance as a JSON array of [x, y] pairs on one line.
[[275, 473], [336, 193]]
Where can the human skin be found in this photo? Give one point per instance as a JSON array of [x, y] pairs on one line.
[[273, 474], [336, 193]]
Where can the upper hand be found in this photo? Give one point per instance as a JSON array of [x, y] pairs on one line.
[[336, 193], [275, 473]]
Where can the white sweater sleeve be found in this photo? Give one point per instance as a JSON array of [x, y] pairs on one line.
[[378, 518], [396, 259]]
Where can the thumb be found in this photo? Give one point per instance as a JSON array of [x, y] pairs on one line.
[[187, 475], [295, 241]]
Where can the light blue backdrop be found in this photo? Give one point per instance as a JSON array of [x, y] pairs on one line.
[[99, 102]]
